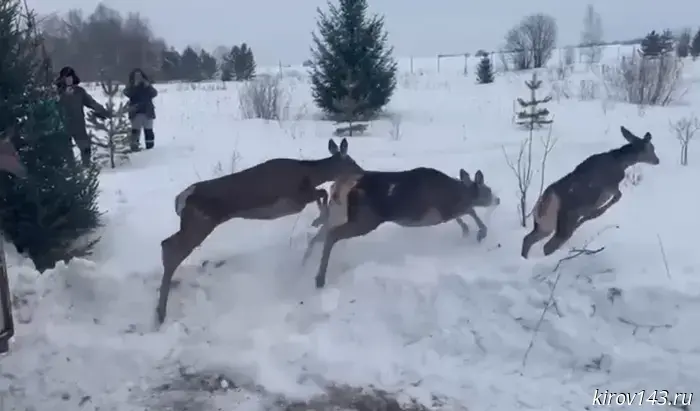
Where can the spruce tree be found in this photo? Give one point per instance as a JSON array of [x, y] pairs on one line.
[[47, 213], [112, 135], [243, 62], [532, 116], [351, 47], [484, 71], [695, 45]]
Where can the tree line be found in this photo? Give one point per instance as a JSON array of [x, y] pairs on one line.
[[107, 42]]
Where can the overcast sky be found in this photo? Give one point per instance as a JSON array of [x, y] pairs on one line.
[[280, 29]]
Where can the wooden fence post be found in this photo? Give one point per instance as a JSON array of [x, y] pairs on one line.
[[7, 326]]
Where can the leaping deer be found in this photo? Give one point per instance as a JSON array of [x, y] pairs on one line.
[[419, 197], [586, 192], [267, 191]]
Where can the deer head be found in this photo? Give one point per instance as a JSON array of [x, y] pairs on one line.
[[641, 149], [478, 193], [340, 163], [9, 158]]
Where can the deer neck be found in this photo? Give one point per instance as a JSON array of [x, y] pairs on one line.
[[625, 156], [323, 171]]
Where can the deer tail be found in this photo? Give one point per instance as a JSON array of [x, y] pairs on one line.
[[181, 199], [338, 201]]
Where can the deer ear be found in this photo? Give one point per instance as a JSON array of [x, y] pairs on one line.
[[464, 176], [631, 138], [479, 177], [332, 147], [344, 147], [647, 137]]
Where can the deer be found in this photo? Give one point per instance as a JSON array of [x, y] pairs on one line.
[[270, 190], [419, 197], [586, 192]]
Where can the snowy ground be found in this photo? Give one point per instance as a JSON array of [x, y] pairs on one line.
[[418, 311]]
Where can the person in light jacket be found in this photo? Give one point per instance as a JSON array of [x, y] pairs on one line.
[[142, 112], [72, 99]]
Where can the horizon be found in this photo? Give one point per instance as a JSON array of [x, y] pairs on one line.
[[453, 26]]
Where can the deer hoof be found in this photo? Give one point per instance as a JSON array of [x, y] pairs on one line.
[[481, 235], [320, 282]]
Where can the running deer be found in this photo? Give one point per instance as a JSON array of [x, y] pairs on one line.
[[419, 197], [267, 191], [585, 193]]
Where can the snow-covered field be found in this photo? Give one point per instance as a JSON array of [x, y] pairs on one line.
[[419, 311]]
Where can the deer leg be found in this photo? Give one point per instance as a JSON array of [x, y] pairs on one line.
[[320, 235], [194, 229], [463, 226], [483, 230], [343, 232], [601, 210], [566, 225], [534, 236], [322, 203]]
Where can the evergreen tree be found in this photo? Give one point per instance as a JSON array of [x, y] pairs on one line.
[[683, 44], [350, 44], [695, 45], [208, 65], [56, 205], [190, 65], [656, 45], [112, 136], [239, 63], [484, 71], [170, 65], [532, 116]]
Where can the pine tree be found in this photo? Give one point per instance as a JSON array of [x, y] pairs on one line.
[[190, 65], [484, 71], [656, 45], [531, 116], [46, 214], [695, 45], [683, 44], [239, 63], [351, 44], [208, 65], [111, 135]]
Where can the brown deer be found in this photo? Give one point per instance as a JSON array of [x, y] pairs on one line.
[[586, 192], [419, 197], [267, 191]]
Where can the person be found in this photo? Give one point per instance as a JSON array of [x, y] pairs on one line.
[[142, 112], [72, 100]]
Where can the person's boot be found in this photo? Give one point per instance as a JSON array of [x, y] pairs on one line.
[[150, 138], [134, 142]]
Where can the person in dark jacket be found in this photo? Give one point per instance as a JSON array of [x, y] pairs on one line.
[[142, 112], [72, 100]]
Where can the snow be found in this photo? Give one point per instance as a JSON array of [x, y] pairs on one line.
[[419, 311]]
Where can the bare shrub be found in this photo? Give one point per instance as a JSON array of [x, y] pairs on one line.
[[395, 132], [219, 169], [588, 90], [559, 77], [524, 170], [532, 41], [685, 130], [592, 36], [264, 98], [644, 81]]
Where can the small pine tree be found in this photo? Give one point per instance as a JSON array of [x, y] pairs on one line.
[[49, 212], [351, 44], [683, 44], [532, 116], [695, 45], [484, 71], [112, 136], [656, 45]]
